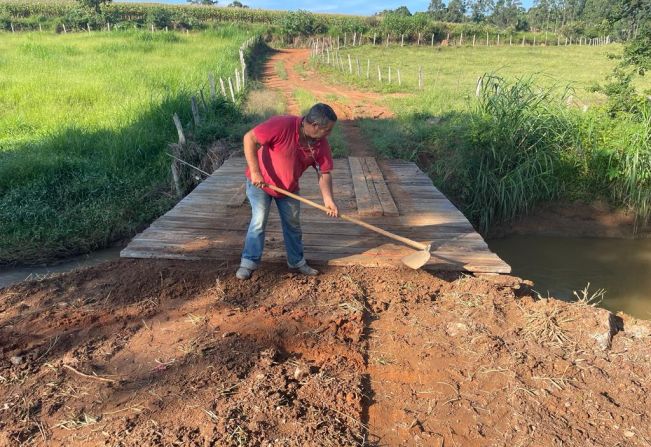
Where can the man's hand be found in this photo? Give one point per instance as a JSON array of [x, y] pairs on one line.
[[333, 211], [257, 180]]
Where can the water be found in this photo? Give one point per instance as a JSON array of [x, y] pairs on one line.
[[559, 266], [13, 275]]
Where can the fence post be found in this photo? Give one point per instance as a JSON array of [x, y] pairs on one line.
[[399, 80], [350, 65], [223, 87], [359, 70], [195, 111], [387, 42], [374, 36], [432, 39], [486, 39], [473, 39], [478, 89], [230, 86], [379, 74], [237, 80], [402, 41], [389, 77], [498, 40], [461, 39]]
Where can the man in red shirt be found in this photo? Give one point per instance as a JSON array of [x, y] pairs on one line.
[[277, 152]]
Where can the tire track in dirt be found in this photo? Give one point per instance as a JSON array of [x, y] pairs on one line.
[[355, 104]]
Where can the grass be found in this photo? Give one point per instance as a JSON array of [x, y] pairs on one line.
[[84, 125], [534, 129], [280, 70], [336, 138], [450, 73]]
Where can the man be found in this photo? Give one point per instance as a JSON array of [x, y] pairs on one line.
[[277, 152]]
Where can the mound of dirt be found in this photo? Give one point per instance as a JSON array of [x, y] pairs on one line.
[[153, 353]]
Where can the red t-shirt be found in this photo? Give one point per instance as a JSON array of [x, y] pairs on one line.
[[282, 159]]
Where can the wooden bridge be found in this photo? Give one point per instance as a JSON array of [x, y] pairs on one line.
[[211, 222]]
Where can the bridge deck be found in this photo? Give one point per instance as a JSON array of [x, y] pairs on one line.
[[211, 222]]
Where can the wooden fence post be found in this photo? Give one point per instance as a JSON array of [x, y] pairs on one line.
[[223, 87], [195, 111], [473, 39], [230, 87], [350, 65], [379, 74]]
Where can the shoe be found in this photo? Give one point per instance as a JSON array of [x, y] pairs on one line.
[[243, 273], [307, 270]]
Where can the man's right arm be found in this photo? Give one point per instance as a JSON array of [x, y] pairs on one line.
[[251, 147]]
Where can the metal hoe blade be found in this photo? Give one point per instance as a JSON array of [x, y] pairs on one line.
[[418, 259]]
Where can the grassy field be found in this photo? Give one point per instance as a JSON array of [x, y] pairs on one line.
[[450, 74], [499, 150], [85, 120]]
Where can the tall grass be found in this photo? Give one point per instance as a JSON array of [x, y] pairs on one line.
[[516, 139], [523, 140], [84, 124]]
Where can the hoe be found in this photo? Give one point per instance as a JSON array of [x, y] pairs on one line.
[[414, 260]]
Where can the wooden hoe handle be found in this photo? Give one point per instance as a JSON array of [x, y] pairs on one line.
[[404, 240]]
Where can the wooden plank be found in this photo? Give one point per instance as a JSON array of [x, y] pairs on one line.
[[368, 203], [389, 207]]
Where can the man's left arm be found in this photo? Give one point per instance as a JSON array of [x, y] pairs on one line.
[[325, 184]]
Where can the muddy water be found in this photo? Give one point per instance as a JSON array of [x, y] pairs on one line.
[[13, 275], [559, 266]]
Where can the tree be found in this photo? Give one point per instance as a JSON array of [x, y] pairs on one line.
[[480, 9], [456, 11], [237, 4], [94, 4], [437, 9], [203, 2]]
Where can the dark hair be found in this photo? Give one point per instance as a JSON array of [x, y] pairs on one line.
[[321, 114]]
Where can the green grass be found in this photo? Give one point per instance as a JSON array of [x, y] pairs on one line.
[[280, 70], [517, 144], [450, 74], [336, 138], [84, 124]]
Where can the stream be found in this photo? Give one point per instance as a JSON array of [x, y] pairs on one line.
[[559, 266]]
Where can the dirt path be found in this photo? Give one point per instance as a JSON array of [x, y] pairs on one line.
[[348, 104]]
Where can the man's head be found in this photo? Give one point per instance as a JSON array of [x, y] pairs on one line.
[[319, 121]]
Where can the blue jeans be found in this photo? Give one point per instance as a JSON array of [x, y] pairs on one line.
[[290, 217]]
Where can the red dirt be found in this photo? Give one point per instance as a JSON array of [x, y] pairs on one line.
[[352, 357]]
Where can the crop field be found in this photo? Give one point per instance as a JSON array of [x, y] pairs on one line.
[[84, 123]]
